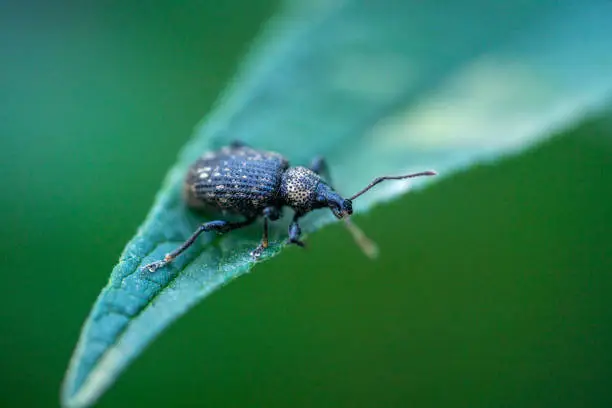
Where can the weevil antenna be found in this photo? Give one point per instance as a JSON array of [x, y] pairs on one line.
[[367, 246], [381, 179]]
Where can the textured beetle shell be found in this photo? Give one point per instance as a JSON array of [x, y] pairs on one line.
[[235, 180], [298, 188]]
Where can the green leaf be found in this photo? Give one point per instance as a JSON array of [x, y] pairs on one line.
[[378, 88]]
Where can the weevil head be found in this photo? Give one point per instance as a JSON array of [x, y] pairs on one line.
[[341, 207], [304, 191]]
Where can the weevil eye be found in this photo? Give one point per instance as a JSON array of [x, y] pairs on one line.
[[347, 207], [341, 208]]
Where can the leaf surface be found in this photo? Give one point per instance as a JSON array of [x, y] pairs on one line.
[[377, 88]]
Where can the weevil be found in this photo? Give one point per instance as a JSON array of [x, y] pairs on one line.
[[252, 183]]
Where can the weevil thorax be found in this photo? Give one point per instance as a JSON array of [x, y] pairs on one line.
[[298, 188], [304, 191]]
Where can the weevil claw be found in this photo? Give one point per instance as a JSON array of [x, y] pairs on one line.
[[257, 252], [153, 266], [297, 242]]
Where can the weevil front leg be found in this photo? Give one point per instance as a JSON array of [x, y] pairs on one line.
[[319, 166], [237, 144], [294, 233], [269, 214], [219, 226]]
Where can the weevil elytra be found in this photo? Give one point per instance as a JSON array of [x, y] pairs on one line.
[[252, 183]]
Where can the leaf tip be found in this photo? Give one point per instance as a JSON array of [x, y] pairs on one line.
[[83, 392]]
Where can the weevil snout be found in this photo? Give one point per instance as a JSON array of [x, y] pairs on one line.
[[341, 208], [327, 197]]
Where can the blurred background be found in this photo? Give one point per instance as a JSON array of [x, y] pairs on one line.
[[492, 288]]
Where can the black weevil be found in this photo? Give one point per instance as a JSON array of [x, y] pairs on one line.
[[252, 183]]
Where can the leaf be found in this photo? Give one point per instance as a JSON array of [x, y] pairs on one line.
[[382, 87]]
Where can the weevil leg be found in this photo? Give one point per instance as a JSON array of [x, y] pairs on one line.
[[319, 166], [264, 241], [219, 226], [269, 214], [294, 233], [237, 144]]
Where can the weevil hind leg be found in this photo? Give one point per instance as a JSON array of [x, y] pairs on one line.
[[218, 226]]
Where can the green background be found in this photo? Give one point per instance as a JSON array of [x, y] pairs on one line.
[[492, 288]]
